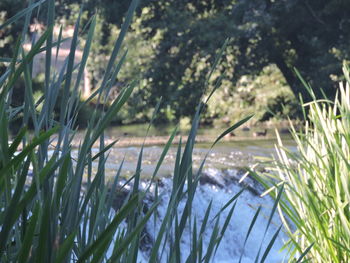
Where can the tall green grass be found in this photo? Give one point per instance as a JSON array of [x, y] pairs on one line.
[[315, 204], [55, 207]]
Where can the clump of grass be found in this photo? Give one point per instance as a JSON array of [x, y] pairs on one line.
[[315, 205]]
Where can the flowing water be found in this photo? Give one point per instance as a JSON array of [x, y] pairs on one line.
[[224, 167]]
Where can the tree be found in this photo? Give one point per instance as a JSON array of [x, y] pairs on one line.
[[312, 36]]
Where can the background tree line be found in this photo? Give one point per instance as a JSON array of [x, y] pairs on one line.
[[173, 43]]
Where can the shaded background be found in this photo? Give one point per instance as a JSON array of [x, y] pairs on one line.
[[172, 45]]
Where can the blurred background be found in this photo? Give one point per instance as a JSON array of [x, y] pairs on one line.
[[172, 45]]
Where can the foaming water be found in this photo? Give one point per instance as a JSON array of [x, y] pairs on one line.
[[218, 192], [219, 183]]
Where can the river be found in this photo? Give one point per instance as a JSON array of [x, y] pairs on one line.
[[224, 167]]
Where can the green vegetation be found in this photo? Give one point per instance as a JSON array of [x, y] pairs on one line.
[[182, 38], [173, 43], [55, 207], [315, 202], [9, 34], [267, 96]]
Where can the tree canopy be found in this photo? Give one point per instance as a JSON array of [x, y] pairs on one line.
[[181, 39], [312, 36]]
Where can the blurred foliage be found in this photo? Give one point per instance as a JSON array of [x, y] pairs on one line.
[[267, 95], [18, 95], [84, 115], [17, 99], [9, 34], [173, 44], [184, 37]]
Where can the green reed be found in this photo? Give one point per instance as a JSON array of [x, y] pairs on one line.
[[315, 204]]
